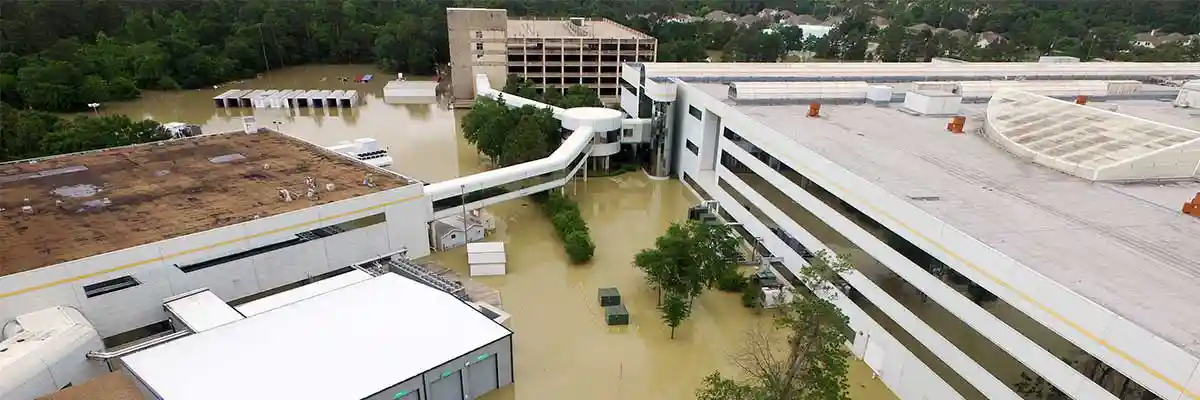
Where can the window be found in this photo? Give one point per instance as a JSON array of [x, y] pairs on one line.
[[479, 34], [692, 148], [109, 286], [695, 112], [302, 237], [478, 46], [1116, 383], [627, 132]]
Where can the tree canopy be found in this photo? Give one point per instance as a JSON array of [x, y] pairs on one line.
[[814, 365], [60, 55], [30, 134]]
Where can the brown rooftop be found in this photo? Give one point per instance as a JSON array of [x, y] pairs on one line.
[[96, 202], [110, 386]]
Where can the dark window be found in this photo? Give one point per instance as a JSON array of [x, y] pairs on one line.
[[627, 132], [692, 183], [478, 46], [109, 286], [692, 147], [322, 232], [695, 112]]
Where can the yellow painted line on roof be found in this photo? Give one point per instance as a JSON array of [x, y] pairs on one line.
[[1024, 296], [201, 248]]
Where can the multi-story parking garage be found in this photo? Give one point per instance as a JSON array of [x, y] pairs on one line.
[[1040, 250]]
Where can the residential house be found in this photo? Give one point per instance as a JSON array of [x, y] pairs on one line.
[[918, 28], [747, 20], [1157, 38], [801, 19], [718, 16], [880, 22], [988, 38]]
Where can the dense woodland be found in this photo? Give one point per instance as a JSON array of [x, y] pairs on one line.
[[61, 55]]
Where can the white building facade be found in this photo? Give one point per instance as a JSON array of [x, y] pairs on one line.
[[233, 261], [972, 335]]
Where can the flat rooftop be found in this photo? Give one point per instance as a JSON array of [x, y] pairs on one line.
[[91, 203], [378, 333], [111, 386], [1124, 246], [594, 28]]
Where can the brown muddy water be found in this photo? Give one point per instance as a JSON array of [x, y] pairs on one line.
[[563, 348]]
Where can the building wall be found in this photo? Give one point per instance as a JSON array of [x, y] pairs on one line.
[[467, 28], [559, 62], [1147, 359], [501, 350], [155, 265]]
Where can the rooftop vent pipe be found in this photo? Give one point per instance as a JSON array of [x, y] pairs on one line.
[[814, 110], [1193, 207], [1081, 100], [956, 124], [122, 352]]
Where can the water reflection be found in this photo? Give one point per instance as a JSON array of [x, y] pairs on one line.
[[421, 137]]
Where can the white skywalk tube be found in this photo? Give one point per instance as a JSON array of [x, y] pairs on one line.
[[578, 142]]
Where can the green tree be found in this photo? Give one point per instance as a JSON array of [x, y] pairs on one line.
[[689, 258], [815, 362], [526, 141], [580, 96], [682, 51], [675, 308]]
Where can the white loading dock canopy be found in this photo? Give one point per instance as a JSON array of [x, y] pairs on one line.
[[313, 289], [201, 310], [346, 344]]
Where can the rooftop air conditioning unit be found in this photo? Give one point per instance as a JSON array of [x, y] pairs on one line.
[[933, 103]]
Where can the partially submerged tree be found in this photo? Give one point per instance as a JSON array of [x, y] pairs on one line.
[[813, 365], [688, 258], [685, 260], [675, 309], [510, 136]]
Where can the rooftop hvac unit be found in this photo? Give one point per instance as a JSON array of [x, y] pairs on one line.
[[879, 94], [932, 103]]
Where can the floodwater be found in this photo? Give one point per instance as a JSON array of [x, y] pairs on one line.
[[563, 348], [421, 138]]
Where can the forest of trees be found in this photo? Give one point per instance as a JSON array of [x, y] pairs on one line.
[[61, 55]]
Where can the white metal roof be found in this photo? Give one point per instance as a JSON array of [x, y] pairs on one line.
[[346, 344], [201, 310], [797, 90], [917, 70], [1088, 142], [485, 247], [291, 296]]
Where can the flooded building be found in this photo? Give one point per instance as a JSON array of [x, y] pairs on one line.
[[361, 341], [553, 53], [1015, 228]]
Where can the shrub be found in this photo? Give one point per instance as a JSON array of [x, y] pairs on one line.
[[579, 246], [751, 293], [569, 225], [731, 282]]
